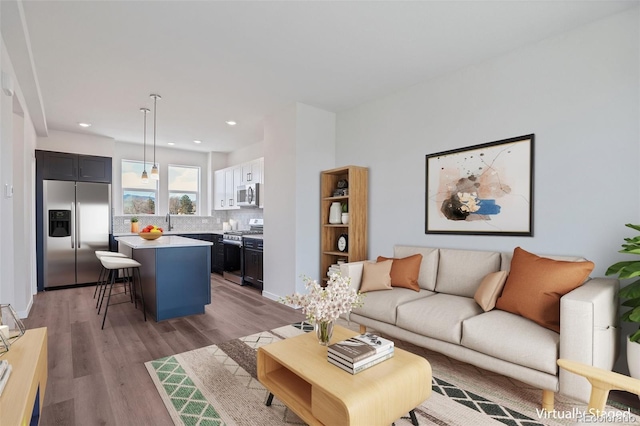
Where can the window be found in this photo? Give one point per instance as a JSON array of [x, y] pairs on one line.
[[137, 197], [184, 189]]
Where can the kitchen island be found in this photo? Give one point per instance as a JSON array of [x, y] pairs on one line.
[[176, 278]]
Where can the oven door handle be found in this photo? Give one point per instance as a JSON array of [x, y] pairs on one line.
[[233, 243]]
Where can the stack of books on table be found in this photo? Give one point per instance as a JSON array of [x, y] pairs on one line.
[[5, 372], [360, 352]]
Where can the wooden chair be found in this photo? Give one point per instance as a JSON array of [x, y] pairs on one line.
[[602, 381]]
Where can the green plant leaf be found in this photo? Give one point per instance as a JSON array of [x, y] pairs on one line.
[[635, 337], [629, 271], [631, 303], [630, 249], [625, 316], [632, 291], [636, 227], [634, 316], [616, 267]]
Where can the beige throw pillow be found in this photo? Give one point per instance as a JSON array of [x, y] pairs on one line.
[[490, 289], [376, 276]]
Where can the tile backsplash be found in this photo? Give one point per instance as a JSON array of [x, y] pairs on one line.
[[186, 223]]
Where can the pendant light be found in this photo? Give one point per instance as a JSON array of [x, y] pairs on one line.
[[154, 170], [145, 178]]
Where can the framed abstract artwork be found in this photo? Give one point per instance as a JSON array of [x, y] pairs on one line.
[[484, 189]]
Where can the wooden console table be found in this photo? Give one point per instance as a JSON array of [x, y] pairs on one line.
[[22, 398]]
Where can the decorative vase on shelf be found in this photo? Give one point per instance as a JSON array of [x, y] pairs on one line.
[[345, 218], [324, 331], [335, 213]]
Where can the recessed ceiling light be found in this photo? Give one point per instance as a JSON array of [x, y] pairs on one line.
[[197, 141], [170, 143], [231, 123], [84, 124]]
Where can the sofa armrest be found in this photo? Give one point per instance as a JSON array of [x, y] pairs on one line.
[[588, 331], [353, 270]]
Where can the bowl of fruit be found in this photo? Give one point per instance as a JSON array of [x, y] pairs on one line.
[[151, 232]]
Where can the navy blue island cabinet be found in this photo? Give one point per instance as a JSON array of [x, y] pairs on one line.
[[176, 277]]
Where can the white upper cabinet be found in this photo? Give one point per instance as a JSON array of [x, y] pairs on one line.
[[219, 191], [226, 182], [252, 171]]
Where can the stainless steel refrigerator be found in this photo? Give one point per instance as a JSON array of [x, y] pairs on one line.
[[77, 222]]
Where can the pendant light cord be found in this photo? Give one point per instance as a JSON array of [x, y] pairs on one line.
[[144, 139]]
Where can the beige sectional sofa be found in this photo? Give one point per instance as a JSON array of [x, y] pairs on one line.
[[444, 317]]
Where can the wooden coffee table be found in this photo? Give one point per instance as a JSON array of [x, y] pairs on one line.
[[297, 372]]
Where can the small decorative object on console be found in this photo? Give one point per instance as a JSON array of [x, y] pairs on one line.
[[11, 327], [323, 305]]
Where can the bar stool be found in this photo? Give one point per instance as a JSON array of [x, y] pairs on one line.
[[112, 265], [102, 278]]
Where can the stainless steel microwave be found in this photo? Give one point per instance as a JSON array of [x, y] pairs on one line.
[[249, 195]]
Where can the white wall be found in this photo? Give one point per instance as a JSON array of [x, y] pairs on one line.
[[17, 214], [245, 154], [315, 151], [299, 143], [279, 233], [77, 143], [578, 92]]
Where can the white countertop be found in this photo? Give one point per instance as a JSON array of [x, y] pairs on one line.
[[166, 241], [127, 234]]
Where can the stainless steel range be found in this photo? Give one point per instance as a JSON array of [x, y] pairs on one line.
[[234, 253]]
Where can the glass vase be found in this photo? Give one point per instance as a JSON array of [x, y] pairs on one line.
[[324, 331]]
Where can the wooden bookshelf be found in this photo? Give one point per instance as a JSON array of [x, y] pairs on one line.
[[356, 229]]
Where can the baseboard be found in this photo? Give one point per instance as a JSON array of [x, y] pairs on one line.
[[25, 314], [271, 296]]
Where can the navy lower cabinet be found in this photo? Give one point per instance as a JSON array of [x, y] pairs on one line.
[[176, 281], [253, 268]]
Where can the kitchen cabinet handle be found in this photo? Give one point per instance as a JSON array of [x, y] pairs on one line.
[[73, 224]]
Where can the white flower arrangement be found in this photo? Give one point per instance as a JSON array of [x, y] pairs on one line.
[[325, 304]]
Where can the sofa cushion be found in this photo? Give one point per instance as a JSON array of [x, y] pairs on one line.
[[520, 341], [439, 316], [405, 271], [428, 267], [535, 285], [460, 272], [381, 305], [376, 276], [490, 289]]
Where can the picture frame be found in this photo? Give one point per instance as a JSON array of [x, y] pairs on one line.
[[484, 189]]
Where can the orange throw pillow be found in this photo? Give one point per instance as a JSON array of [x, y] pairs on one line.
[[405, 271], [536, 284]]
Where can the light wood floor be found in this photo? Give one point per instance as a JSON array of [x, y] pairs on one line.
[[97, 377]]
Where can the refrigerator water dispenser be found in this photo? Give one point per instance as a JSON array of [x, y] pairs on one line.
[[59, 223]]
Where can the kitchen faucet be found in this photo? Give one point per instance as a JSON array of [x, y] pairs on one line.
[[168, 219]]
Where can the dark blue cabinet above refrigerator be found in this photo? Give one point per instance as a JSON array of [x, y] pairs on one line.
[[75, 167]]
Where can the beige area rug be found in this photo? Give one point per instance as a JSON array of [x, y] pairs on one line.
[[217, 385]]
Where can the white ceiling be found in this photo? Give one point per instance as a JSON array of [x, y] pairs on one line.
[[211, 61]]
